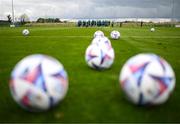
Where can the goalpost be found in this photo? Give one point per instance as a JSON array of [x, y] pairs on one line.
[[12, 25]]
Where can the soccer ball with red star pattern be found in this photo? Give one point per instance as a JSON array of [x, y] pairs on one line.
[[99, 56], [147, 79], [38, 82]]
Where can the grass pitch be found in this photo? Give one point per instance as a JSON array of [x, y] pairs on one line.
[[93, 96]]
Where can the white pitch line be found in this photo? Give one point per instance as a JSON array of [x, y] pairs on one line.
[[139, 37], [153, 37], [45, 36], [61, 36]]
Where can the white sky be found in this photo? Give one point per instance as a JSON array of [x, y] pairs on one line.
[[91, 8]]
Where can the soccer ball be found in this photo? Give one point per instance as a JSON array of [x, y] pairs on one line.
[[12, 26], [98, 34], [115, 35], [147, 79], [102, 41], [99, 57], [25, 32], [152, 29], [38, 82]]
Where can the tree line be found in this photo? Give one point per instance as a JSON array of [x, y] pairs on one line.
[[48, 20]]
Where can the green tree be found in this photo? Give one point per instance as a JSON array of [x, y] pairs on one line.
[[24, 18], [9, 18], [57, 20], [79, 23], [40, 20]]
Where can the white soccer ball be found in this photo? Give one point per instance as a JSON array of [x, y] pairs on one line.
[[147, 79], [152, 29], [38, 82], [98, 34], [115, 35], [99, 57], [25, 32], [102, 41], [12, 26]]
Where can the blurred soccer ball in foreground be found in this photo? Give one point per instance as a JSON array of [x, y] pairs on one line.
[[98, 34], [147, 79], [99, 56], [25, 32], [115, 35], [38, 82]]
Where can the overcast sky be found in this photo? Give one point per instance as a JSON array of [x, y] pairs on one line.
[[91, 8]]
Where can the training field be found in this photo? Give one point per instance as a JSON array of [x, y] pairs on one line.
[[93, 96]]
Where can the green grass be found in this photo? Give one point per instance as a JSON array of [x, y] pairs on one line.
[[93, 96]]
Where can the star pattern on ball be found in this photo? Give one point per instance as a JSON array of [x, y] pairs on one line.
[[26, 99], [104, 57], [138, 71], [91, 56], [163, 82], [108, 44], [35, 77], [161, 61], [61, 75]]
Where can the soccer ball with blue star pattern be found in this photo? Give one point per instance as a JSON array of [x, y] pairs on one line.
[[147, 79], [99, 56], [115, 35], [38, 82]]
